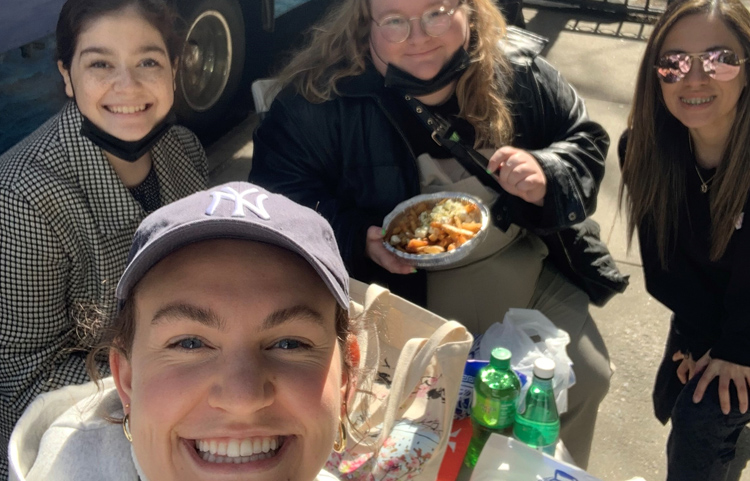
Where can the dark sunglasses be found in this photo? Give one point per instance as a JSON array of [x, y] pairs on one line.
[[720, 64]]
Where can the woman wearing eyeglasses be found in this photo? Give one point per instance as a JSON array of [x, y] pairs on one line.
[[685, 185], [341, 139]]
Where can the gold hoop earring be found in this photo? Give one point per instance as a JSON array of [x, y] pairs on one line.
[[340, 444], [126, 427]]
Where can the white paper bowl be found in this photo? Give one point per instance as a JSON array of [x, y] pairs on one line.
[[443, 260]]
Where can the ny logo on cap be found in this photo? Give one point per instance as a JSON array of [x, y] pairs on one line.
[[228, 193]]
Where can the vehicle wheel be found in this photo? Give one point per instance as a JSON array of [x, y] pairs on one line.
[[212, 61]]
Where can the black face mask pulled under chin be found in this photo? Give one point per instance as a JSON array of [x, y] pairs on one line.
[[128, 151], [409, 84]]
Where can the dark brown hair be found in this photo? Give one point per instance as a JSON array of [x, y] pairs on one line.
[[77, 15], [654, 170]]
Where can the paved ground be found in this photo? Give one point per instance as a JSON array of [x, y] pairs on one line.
[[600, 59]]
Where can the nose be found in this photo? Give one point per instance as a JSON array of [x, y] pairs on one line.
[[125, 79], [696, 74], [416, 31], [241, 386]]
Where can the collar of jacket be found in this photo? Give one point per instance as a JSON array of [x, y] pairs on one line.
[[99, 181]]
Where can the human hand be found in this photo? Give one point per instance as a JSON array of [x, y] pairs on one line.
[[727, 372], [376, 251], [520, 174]]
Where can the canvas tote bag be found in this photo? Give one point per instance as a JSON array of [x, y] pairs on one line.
[[411, 365]]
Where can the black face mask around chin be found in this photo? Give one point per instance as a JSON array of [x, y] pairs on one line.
[[128, 151], [407, 83]]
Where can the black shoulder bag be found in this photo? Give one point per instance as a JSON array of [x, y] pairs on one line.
[[577, 251]]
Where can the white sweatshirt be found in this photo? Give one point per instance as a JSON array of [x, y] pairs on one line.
[[64, 436]]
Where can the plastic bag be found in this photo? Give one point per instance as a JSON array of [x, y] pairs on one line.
[[529, 335], [505, 459]]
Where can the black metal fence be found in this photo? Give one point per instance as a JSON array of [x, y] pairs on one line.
[[645, 11]]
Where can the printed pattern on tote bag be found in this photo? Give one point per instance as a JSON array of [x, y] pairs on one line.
[[415, 442]]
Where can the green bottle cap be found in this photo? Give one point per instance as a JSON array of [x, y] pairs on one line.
[[500, 358]]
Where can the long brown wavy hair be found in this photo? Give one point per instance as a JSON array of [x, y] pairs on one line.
[[654, 169], [340, 45]]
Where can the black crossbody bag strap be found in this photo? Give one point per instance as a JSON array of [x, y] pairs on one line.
[[443, 134]]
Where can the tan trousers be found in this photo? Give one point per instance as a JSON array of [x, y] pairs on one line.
[[567, 307]]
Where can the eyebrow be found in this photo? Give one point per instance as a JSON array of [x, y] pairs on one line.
[[183, 310], [715, 47], [395, 11], [297, 313], [105, 51], [209, 318]]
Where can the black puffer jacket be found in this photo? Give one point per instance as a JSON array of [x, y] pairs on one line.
[[348, 158]]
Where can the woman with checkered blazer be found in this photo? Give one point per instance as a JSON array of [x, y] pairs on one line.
[[73, 193]]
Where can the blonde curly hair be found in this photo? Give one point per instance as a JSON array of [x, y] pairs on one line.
[[339, 48]]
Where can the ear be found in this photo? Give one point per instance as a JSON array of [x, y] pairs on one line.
[[348, 382], [122, 373], [66, 78], [175, 66]]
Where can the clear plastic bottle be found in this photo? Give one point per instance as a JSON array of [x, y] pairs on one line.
[[496, 391], [539, 424]]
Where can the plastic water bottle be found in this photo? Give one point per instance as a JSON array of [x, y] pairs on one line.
[[539, 424], [496, 390]]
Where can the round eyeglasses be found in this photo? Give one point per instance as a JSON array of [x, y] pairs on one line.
[[435, 22], [720, 64]]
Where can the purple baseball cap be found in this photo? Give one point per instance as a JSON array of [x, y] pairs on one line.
[[237, 210]]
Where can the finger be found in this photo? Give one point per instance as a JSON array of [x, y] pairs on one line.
[[700, 389], [682, 370], [375, 233], [391, 263], [693, 367], [396, 266], [741, 386], [724, 394], [378, 253], [513, 171], [497, 159], [702, 362], [678, 356], [531, 185], [506, 170]]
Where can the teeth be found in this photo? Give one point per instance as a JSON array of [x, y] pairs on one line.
[[246, 449], [212, 458], [238, 450], [697, 101], [123, 109]]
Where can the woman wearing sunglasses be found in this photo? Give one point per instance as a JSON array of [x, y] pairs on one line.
[[686, 179], [342, 139]]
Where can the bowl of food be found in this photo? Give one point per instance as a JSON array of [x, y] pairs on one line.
[[435, 231]]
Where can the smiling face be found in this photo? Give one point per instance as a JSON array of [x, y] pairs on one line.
[[698, 101], [420, 54], [120, 75], [235, 371]]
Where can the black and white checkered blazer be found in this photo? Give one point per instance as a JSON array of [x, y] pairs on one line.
[[66, 224]]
